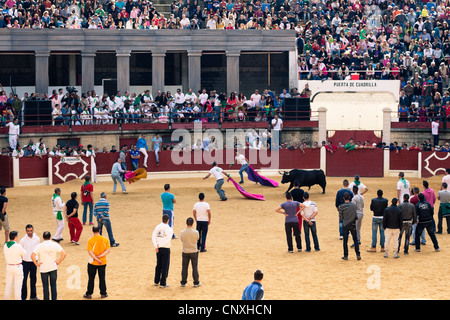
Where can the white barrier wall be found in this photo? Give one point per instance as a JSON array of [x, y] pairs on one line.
[[353, 104]]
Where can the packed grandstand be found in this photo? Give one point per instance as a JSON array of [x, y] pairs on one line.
[[337, 40]]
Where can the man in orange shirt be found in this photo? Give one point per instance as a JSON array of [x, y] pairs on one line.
[[98, 247]]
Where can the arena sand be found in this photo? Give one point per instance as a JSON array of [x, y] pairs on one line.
[[244, 235]]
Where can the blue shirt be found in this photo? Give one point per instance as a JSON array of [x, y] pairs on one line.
[[134, 154], [254, 291], [156, 143], [141, 143], [167, 200], [290, 208]]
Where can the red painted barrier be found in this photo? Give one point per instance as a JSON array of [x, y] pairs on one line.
[[34, 167], [434, 163], [365, 162], [70, 168], [201, 161], [404, 160], [6, 173]]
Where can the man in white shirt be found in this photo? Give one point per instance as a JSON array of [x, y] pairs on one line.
[[403, 187], [203, 97], [277, 126], [358, 199], [309, 211], [255, 97], [446, 178], [218, 174], [57, 206], [362, 189], [29, 243], [91, 153], [435, 131], [17, 153], [257, 144], [190, 97], [45, 257], [179, 98], [13, 133], [202, 215], [161, 238], [14, 254]]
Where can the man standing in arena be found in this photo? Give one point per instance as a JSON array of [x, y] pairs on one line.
[[168, 199], [291, 210], [29, 243], [161, 238], [347, 213], [58, 206], [403, 186]]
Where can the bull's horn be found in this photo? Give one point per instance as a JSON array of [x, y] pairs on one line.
[[280, 172]]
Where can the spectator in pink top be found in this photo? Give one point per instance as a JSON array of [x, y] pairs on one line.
[[429, 194]]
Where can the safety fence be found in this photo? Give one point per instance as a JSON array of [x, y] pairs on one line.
[[364, 162]]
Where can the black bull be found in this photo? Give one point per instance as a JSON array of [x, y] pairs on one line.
[[305, 178]]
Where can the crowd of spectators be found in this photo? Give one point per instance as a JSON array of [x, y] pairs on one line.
[[69, 108]]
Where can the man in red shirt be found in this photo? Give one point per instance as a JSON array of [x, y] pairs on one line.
[[87, 199]]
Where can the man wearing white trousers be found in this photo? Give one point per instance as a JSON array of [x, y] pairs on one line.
[[392, 224], [14, 254], [57, 206], [141, 145], [13, 133]]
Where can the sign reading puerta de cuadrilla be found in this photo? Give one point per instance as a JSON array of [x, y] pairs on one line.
[[70, 168], [317, 86]]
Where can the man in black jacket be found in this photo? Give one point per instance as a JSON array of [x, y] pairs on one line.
[[347, 214], [424, 212], [392, 224], [377, 206], [409, 218]]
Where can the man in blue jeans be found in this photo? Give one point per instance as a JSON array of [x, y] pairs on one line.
[[101, 212], [156, 145], [240, 159], [168, 199], [218, 174], [377, 206]]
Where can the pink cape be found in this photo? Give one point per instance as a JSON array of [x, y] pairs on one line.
[[245, 193]]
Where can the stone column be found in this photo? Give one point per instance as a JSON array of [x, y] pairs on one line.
[[87, 71], [158, 69], [123, 70], [233, 71], [386, 125], [322, 124], [194, 70], [293, 69], [41, 71]]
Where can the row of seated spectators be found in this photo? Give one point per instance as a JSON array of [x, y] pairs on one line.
[[132, 14], [69, 108]]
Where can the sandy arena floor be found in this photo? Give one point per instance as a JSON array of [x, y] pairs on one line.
[[244, 235]]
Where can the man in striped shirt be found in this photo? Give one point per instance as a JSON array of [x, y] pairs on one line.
[[255, 290], [101, 212]]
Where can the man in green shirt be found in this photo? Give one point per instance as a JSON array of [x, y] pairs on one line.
[[350, 145]]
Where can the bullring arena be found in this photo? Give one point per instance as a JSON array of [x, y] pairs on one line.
[[244, 235]]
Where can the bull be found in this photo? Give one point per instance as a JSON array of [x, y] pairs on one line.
[[305, 178]]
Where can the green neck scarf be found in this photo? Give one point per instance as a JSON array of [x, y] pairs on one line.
[[357, 182], [10, 243], [403, 180]]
